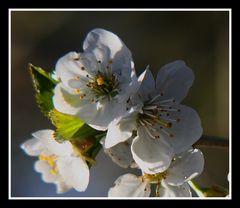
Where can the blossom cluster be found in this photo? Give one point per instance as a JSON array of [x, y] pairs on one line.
[[141, 119]]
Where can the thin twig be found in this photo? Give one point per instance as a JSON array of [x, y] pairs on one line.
[[212, 141]]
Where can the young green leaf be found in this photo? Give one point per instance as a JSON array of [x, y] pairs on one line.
[[43, 84], [70, 127]]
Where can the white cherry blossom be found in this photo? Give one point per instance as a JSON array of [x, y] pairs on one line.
[[170, 183], [96, 83], [58, 162], [163, 126], [120, 153]]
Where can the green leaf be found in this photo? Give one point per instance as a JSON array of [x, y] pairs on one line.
[[70, 127], [44, 85], [213, 191]]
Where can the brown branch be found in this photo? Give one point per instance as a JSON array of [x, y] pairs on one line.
[[212, 142]]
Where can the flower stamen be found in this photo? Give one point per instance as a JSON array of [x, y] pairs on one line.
[[51, 160], [160, 114], [100, 81], [154, 178], [150, 133], [155, 98], [104, 86], [167, 133]]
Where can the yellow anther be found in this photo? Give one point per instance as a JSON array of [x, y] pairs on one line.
[[54, 170], [77, 91], [51, 162], [42, 157], [100, 81], [50, 159], [81, 97]]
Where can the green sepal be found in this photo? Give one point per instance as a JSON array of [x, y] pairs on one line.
[[44, 85], [89, 147], [94, 150]]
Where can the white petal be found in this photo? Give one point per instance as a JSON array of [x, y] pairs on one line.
[[105, 112], [62, 187], [229, 177], [120, 129], [121, 153], [174, 80], [70, 66], [96, 115], [126, 90], [108, 46], [66, 102], [147, 84], [167, 190], [47, 139], [187, 131], [185, 167], [45, 169], [130, 185], [65, 69], [33, 147], [74, 172], [151, 155]]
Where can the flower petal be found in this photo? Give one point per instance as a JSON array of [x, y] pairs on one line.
[[126, 90], [121, 153], [107, 46], [62, 187], [47, 138], [151, 155], [185, 167], [187, 131], [74, 65], [45, 169], [66, 102], [98, 115], [129, 185], [33, 147], [120, 129], [74, 172], [174, 80], [167, 190], [106, 112], [147, 84]]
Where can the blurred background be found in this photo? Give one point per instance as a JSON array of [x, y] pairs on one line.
[[155, 38]]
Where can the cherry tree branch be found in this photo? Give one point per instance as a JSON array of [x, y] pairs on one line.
[[212, 141]]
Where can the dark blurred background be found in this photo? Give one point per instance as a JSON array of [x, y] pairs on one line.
[[155, 38]]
